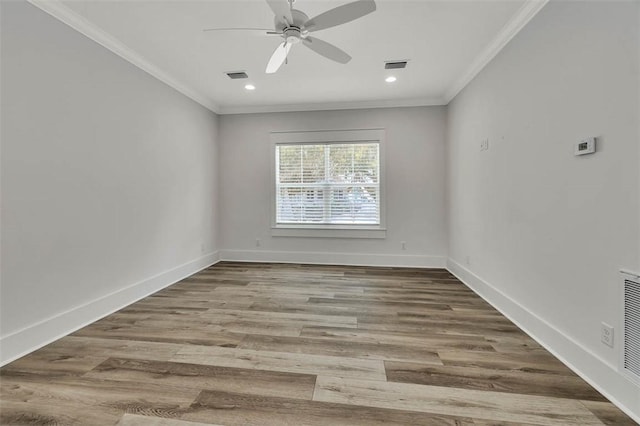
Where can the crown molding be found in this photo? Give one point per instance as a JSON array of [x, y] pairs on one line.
[[528, 10], [329, 106], [62, 13]]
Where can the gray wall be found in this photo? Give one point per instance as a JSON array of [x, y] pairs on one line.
[[415, 174], [109, 178], [540, 231]]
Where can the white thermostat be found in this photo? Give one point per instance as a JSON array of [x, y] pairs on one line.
[[585, 146]]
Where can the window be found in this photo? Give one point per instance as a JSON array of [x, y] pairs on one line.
[[332, 183], [328, 180]]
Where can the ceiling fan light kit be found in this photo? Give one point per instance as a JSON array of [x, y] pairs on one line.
[[294, 27]]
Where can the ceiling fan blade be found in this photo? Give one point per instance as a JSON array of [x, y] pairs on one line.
[[278, 57], [340, 15], [327, 50], [263, 30], [282, 10]]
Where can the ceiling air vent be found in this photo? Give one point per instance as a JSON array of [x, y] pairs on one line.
[[234, 75], [394, 65], [631, 327]]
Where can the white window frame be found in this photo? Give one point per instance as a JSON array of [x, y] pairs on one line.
[[329, 230]]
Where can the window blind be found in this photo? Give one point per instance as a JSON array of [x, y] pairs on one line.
[[330, 183]]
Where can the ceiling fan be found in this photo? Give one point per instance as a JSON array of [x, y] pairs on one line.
[[294, 26]]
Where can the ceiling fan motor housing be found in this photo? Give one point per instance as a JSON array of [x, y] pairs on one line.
[[299, 18], [294, 26], [292, 35]]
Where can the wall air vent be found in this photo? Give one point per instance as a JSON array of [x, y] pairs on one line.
[[631, 326], [394, 65], [234, 75]]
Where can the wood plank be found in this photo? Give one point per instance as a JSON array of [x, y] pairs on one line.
[[282, 361], [485, 422], [460, 328], [362, 350], [410, 297], [448, 321], [514, 343], [170, 302], [381, 305], [304, 307], [217, 316], [528, 362], [76, 355], [261, 292], [55, 412], [429, 341], [83, 398], [226, 334], [137, 420], [464, 316], [386, 272], [198, 377], [53, 363], [213, 279], [228, 301], [461, 402], [304, 287], [554, 385], [241, 409], [203, 335], [143, 310]]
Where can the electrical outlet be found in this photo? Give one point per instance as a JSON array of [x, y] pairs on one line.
[[404, 245], [257, 242], [484, 145], [606, 334]]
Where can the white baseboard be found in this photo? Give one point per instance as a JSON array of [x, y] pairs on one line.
[[600, 374], [35, 336], [329, 258]]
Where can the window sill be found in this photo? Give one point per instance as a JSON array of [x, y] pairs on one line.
[[327, 232]]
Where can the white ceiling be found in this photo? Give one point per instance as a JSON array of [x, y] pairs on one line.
[[446, 42]]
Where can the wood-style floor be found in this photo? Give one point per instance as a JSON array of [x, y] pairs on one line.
[[272, 344]]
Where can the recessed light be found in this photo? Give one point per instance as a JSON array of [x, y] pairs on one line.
[[250, 87], [390, 79]]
